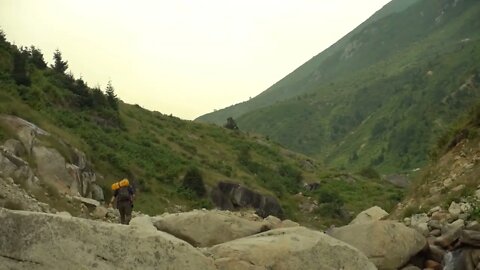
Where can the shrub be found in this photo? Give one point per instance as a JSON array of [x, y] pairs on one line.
[[193, 181], [369, 172], [326, 196], [14, 205]]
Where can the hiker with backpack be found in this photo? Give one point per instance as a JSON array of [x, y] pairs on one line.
[[123, 195]]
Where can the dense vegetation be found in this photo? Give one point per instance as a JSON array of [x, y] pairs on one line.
[[382, 95], [174, 163]]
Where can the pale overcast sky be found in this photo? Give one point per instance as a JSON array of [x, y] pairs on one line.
[[181, 57]]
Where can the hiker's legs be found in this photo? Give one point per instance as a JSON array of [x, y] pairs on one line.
[[128, 213], [121, 209]]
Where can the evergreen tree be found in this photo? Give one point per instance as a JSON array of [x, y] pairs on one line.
[[3, 38], [20, 71], [85, 98], [111, 96], [231, 124], [99, 99], [59, 65], [36, 58]]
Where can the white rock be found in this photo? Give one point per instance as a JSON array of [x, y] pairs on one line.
[[64, 213], [447, 182], [434, 209], [418, 219], [372, 214], [30, 240], [458, 188], [289, 248], [466, 207], [87, 201], [477, 194], [454, 209], [389, 245]]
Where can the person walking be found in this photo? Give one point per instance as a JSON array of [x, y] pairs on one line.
[[123, 197]]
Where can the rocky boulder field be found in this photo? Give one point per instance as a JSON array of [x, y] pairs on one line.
[[204, 239]]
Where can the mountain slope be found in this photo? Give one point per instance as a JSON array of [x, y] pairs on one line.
[[293, 84], [453, 172], [381, 99], [156, 151]]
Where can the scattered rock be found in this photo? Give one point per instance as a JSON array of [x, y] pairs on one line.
[[88, 202], [388, 244], [289, 248], [100, 212], [369, 215], [454, 209], [30, 240], [208, 228]]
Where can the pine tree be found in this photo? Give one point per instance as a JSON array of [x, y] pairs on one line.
[[59, 65], [99, 99], [231, 124], [111, 97], [3, 38], [36, 57], [20, 71]]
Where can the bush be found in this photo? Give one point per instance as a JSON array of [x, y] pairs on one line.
[[369, 172], [14, 205], [193, 181], [326, 196], [331, 204]]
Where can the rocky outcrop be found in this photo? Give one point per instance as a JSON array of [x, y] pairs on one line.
[[51, 166], [207, 228], [389, 245], [15, 167], [289, 248], [30, 240], [232, 196], [26, 132], [13, 196], [372, 214]]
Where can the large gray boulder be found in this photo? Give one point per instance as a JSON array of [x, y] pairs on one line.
[[15, 147], [203, 228], [289, 248], [31, 240], [389, 245], [51, 167]]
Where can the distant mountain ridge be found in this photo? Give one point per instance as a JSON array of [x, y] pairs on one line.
[[280, 90], [380, 95]]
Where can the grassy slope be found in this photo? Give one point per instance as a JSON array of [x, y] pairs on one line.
[[155, 150], [376, 105], [455, 157]]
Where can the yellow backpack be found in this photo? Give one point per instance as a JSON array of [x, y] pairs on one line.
[[122, 183]]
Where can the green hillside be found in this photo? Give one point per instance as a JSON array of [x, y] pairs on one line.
[[293, 84], [382, 94], [155, 150]]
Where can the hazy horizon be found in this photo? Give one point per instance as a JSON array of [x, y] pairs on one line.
[[185, 58]]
